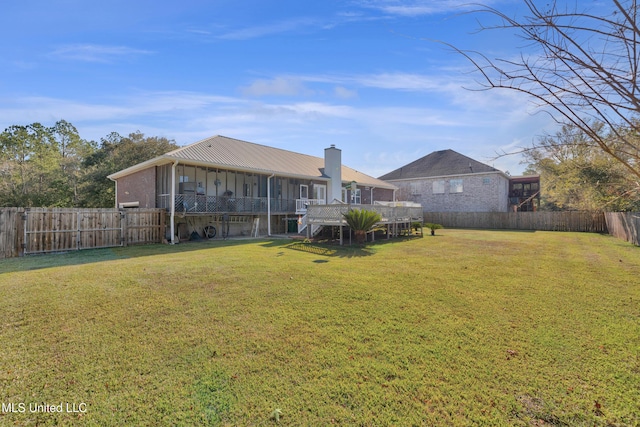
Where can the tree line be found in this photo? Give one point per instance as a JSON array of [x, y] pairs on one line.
[[575, 174], [53, 166]]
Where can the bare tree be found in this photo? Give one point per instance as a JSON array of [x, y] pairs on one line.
[[583, 70]]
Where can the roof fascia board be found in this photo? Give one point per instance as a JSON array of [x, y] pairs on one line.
[[156, 161]]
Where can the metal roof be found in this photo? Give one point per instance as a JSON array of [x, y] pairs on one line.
[[229, 153]]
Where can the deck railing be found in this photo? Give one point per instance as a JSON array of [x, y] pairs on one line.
[[333, 214], [194, 204], [302, 204]]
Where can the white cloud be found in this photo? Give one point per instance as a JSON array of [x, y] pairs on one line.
[[411, 8], [400, 81], [280, 86], [307, 127], [266, 30], [406, 82], [95, 53], [344, 93]]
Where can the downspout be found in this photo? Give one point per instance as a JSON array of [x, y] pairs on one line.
[[269, 204], [173, 202]]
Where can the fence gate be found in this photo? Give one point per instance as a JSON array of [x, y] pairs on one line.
[[58, 230]]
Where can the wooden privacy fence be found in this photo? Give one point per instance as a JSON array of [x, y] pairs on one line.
[[11, 232], [544, 221], [624, 225], [41, 230]]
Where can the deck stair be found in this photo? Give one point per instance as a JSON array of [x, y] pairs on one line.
[[303, 224]]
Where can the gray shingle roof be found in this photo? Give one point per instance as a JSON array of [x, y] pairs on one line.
[[439, 163]]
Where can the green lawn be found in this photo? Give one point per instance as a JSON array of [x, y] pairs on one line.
[[464, 328]]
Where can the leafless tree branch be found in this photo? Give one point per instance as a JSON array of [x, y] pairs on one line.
[[583, 70]]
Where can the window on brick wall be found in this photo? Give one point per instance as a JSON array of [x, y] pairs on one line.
[[438, 187], [455, 186]]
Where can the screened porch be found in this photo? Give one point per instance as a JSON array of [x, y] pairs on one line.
[[204, 190]]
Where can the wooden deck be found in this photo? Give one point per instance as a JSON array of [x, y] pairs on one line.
[[333, 214], [396, 215]]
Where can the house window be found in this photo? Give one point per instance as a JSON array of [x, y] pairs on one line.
[[486, 181], [320, 192], [438, 187], [455, 186], [304, 191], [414, 188], [356, 198], [517, 190], [184, 178]]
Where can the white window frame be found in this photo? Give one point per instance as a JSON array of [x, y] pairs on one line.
[[438, 187], [356, 197], [320, 192], [456, 186], [304, 191]]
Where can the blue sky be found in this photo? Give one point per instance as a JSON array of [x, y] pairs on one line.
[[300, 75]]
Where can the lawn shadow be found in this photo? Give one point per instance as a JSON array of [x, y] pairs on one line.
[[328, 250], [332, 248], [88, 256]]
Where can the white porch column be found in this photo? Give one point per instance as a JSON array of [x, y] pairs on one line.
[[269, 204], [173, 203]]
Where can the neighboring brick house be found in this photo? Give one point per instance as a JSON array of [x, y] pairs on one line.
[[447, 181]]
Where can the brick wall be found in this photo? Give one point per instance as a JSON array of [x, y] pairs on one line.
[[483, 192], [138, 187]]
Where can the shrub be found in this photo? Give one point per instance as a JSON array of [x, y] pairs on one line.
[[433, 227], [361, 221]]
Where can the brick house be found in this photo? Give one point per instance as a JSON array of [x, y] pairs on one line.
[[250, 188], [447, 181]]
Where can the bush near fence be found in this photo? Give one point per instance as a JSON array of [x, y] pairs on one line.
[[64, 229]]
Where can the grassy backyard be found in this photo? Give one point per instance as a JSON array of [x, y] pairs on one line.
[[464, 328]]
